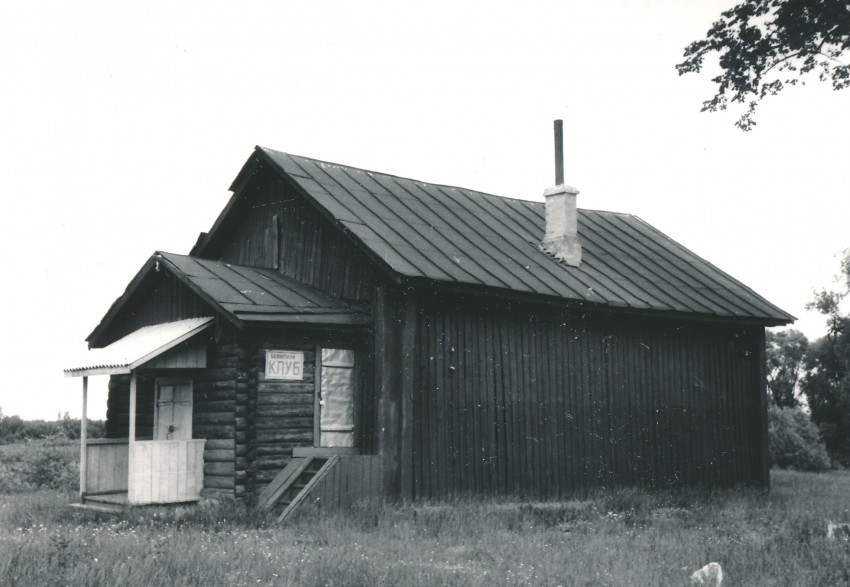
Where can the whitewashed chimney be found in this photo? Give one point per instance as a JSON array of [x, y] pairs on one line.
[[561, 238]]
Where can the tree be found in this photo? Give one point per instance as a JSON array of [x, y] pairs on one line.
[[764, 45], [827, 382], [785, 351], [794, 442]]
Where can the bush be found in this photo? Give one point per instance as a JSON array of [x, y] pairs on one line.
[[794, 441], [14, 429], [39, 464]]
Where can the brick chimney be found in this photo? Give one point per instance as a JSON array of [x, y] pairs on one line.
[[561, 238]]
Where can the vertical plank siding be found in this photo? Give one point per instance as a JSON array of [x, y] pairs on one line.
[[538, 404], [107, 466], [279, 230], [353, 479], [165, 299], [166, 471]]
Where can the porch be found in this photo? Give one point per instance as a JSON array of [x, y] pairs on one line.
[[119, 472], [167, 468]]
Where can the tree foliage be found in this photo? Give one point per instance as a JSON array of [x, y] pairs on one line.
[[765, 45], [826, 384], [794, 441], [785, 351]]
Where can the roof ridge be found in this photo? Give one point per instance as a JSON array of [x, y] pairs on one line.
[[435, 184]]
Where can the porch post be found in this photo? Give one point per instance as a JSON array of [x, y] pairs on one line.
[[84, 438], [132, 439]]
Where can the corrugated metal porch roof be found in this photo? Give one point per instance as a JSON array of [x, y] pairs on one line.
[[455, 235], [137, 348]]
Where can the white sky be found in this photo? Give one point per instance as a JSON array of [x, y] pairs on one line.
[[123, 123]]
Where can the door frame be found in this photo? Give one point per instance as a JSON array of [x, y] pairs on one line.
[[173, 380]]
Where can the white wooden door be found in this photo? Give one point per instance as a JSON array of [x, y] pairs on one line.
[[173, 416], [336, 398]]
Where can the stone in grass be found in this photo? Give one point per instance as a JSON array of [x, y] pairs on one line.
[[838, 531], [710, 574]]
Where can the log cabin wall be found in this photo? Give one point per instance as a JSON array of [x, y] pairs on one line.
[[512, 400], [277, 229], [216, 413], [118, 406], [279, 415]]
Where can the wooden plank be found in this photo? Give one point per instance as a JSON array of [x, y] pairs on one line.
[[317, 395], [132, 472], [389, 385], [220, 444], [295, 436], [84, 438], [296, 501], [517, 443], [485, 421], [303, 451], [496, 401], [220, 469], [270, 494], [469, 367], [218, 483], [443, 428], [408, 366], [420, 399]]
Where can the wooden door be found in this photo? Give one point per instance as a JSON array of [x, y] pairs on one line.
[[335, 398], [173, 414]]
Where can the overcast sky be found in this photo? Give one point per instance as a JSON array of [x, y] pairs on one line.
[[123, 124]]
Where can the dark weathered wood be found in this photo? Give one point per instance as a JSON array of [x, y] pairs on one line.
[[572, 400], [305, 492], [276, 226], [270, 494], [286, 435], [222, 482], [408, 362], [760, 379], [389, 382], [219, 469]]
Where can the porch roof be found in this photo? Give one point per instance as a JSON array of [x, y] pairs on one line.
[[137, 348]]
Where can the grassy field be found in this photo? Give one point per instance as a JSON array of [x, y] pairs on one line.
[[620, 537]]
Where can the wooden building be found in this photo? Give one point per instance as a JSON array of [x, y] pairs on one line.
[[340, 333]]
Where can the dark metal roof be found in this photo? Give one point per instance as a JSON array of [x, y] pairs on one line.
[[456, 235], [241, 294], [252, 294]]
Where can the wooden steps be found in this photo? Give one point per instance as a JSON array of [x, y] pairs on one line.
[[293, 484], [105, 503], [101, 508]]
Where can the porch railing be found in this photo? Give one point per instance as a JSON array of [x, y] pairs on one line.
[[107, 465], [165, 471], [149, 471]]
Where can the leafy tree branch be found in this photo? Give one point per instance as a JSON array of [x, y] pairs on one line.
[[765, 45]]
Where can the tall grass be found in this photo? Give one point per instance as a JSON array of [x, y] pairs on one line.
[[620, 537]]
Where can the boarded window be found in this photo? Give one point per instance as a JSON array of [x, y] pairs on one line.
[[336, 398]]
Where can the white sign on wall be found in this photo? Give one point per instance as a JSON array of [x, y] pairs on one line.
[[288, 365]]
